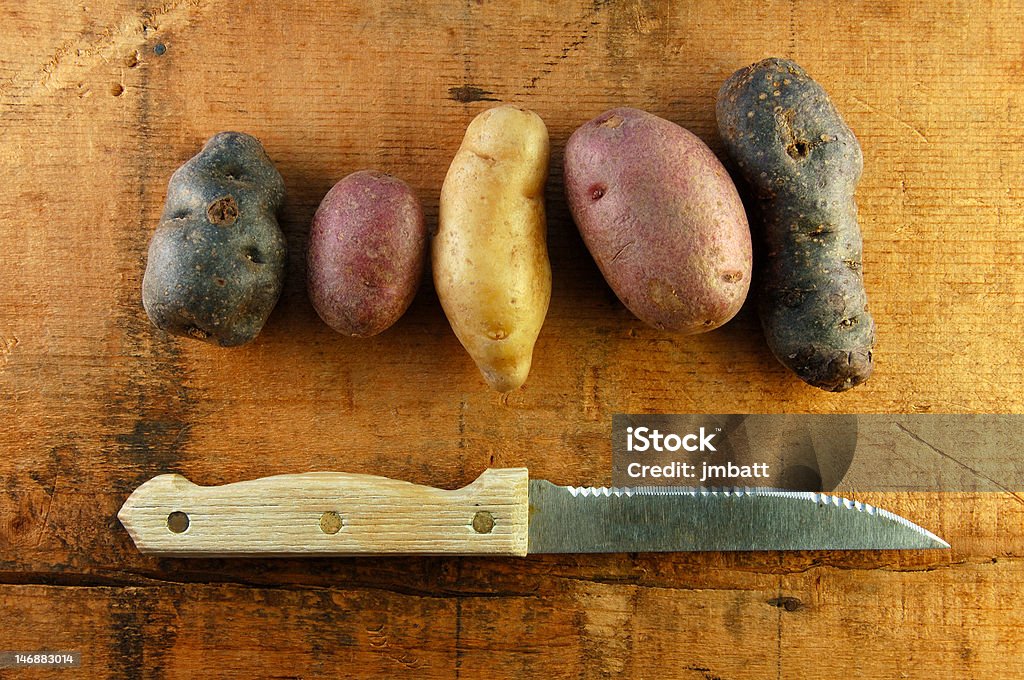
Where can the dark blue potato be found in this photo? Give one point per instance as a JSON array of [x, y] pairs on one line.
[[216, 262], [802, 164]]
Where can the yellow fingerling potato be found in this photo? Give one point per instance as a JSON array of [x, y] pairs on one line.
[[490, 257]]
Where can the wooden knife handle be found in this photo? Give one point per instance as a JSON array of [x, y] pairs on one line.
[[329, 513]]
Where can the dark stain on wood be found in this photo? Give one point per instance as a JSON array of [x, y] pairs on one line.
[[467, 94], [789, 604], [458, 637], [128, 636], [705, 672], [151, 409]]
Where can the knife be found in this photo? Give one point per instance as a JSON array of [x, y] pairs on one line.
[[503, 512]]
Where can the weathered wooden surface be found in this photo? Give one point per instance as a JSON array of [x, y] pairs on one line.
[[100, 102]]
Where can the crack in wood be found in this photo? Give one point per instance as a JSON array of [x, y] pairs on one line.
[[891, 117]]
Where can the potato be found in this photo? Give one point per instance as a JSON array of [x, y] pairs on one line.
[[366, 252], [662, 219], [490, 259], [802, 163], [216, 262]]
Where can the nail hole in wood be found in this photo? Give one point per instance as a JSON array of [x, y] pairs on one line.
[[177, 522], [330, 522], [483, 522]]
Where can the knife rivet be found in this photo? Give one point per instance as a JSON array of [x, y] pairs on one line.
[[483, 522], [177, 522], [330, 522]]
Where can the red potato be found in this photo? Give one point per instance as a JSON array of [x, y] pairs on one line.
[[662, 219], [367, 248]]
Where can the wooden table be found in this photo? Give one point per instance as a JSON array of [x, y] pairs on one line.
[[100, 102]]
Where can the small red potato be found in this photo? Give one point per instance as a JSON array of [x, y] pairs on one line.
[[367, 248]]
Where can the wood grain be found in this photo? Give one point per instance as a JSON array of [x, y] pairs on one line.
[[99, 103], [329, 513]]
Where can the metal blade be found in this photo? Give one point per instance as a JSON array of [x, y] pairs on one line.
[[566, 519]]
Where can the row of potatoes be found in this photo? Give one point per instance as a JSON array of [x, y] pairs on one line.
[[657, 210]]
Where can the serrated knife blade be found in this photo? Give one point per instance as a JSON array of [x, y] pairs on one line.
[[566, 519]]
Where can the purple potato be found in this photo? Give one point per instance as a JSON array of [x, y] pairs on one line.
[[216, 261], [802, 163]]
